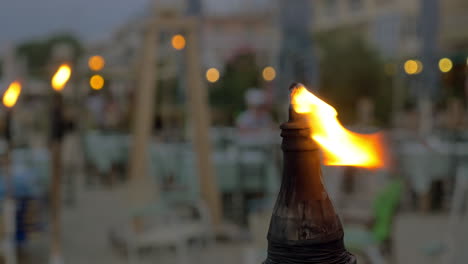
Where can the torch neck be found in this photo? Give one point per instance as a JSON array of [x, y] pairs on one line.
[[303, 175], [302, 171], [303, 210]]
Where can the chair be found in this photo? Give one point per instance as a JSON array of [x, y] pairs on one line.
[[422, 166], [173, 168], [370, 241], [170, 223], [448, 246], [456, 213]]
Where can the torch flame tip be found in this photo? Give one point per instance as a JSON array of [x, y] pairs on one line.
[[340, 146]]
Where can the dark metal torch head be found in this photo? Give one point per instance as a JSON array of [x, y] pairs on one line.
[[304, 227]]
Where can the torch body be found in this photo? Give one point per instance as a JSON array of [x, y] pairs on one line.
[[304, 227]]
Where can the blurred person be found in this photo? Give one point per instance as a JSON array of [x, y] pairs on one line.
[[256, 119], [455, 125], [361, 185], [254, 146], [440, 118], [451, 119], [456, 117], [365, 111], [95, 107], [411, 120], [111, 112]]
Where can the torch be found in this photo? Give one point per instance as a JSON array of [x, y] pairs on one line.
[[10, 97], [304, 226], [58, 82]]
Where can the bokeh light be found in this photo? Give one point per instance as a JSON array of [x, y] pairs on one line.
[[413, 67], [96, 63], [178, 42], [420, 66], [445, 65], [96, 82], [269, 73], [212, 75], [61, 77], [11, 94]]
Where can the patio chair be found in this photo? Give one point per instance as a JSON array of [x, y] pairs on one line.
[[457, 213], [172, 223], [370, 240], [445, 249]]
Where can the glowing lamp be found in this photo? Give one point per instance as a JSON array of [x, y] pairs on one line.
[[96, 63], [178, 42], [445, 65], [96, 82], [11, 95], [212, 75], [269, 73], [413, 67], [61, 77]]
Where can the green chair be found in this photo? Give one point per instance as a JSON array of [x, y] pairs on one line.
[[370, 241]]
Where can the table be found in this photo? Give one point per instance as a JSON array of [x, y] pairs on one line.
[[422, 164]]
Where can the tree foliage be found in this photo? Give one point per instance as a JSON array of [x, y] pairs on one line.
[[227, 95], [349, 70], [38, 52]]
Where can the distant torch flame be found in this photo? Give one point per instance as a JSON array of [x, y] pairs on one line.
[[11, 94], [341, 147], [60, 78]]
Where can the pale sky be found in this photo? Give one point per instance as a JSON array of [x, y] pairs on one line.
[[89, 19]]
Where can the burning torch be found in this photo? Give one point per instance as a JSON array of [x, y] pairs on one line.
[[304, 226], [58, 83], [10, 97]]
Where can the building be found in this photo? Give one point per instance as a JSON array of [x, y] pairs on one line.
[[230, 27], [453, 39], [227, 27], [390, 25], [394, 26]]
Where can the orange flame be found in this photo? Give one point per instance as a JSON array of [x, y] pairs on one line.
[[61, 77], [11, 94], [341, 147]]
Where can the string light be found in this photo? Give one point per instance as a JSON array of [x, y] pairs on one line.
[[96, 82], [212, 75], [445, 65], [178, 42], [96, 63], [269, 73]]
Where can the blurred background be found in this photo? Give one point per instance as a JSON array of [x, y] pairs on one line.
[[148, 130]]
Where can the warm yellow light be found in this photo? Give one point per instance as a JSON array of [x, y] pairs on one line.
[[341, 147], [269, 73], [61, 77], [96, 63], [11, 94], [445, 65], [212, 75], [178, 42], [413, 67], [96, 82]]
